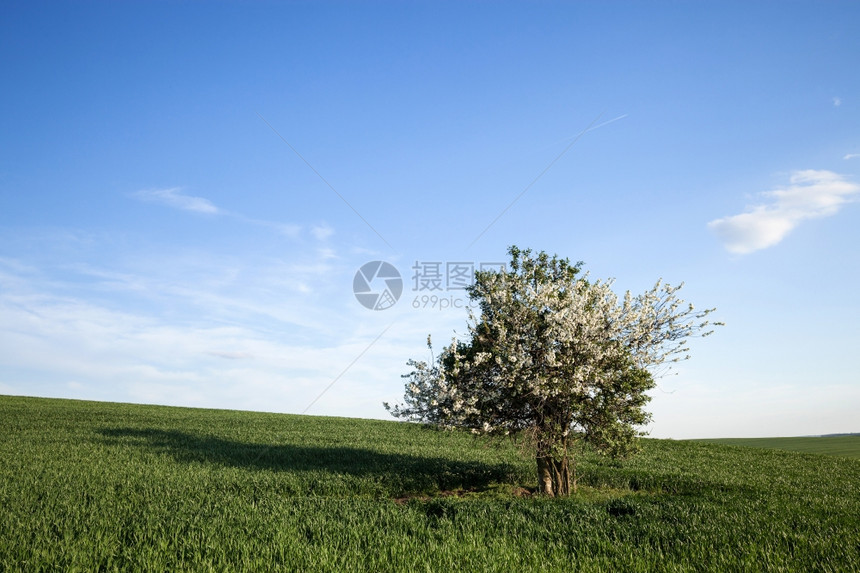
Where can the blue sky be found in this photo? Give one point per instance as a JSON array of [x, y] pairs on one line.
[[188, 190]]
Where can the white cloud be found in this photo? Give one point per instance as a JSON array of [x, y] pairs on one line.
[[322, 232], [230, 355], [837, 101], [285, 229], [99, 353], [196, 330], [327, 253], [288, 230], [851, 155], [173, 197], [810, 194]]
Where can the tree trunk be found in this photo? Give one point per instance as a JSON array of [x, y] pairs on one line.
[[545, 475], [554, 476]]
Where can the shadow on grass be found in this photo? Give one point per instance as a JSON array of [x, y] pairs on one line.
[[398, 473]]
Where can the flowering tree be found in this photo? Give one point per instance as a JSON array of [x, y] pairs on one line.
[[555, 356]]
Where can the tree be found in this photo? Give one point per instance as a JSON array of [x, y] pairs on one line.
[[557, 357]]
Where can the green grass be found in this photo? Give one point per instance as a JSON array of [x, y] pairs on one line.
[[101, 487], [845, 446]]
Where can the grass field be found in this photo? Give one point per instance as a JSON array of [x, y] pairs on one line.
[[90, 486], [845, 446]]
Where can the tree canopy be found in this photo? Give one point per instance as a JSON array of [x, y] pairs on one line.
[[557, 356]]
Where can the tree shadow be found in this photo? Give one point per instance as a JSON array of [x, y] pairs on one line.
[[398, 473]]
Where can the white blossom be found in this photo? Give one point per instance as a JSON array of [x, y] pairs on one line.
[[552, 351]]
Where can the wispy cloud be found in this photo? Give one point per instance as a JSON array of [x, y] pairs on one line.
[[230, 355], [255, 342], [285, 229], [851, 155], [837, 101], [810, 194], [173, 197], [322, 232]]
